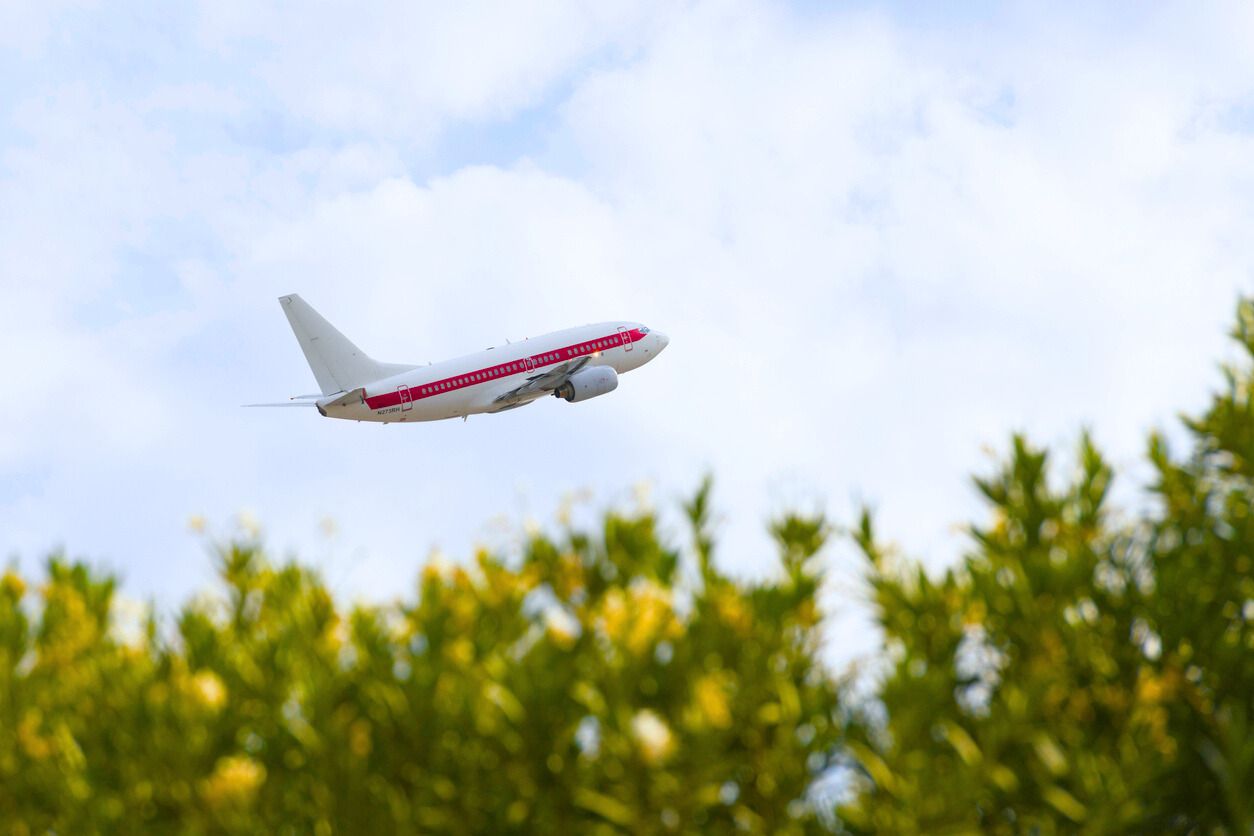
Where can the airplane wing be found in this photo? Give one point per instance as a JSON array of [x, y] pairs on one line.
[[541, 383]]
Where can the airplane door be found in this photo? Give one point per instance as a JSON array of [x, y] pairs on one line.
[[528, 364], [626, 338], [407, 402]]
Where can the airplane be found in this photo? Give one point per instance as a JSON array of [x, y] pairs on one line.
[[575, 364]]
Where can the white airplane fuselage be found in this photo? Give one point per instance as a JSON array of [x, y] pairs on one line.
[[473, 384], [575, 364]]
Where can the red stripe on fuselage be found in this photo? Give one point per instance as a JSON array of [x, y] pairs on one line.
[[503, 370]]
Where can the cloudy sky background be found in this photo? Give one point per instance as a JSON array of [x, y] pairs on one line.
[[880, 238]]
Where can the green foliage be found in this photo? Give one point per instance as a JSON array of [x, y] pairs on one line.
[[1075, 673], [581, 688]]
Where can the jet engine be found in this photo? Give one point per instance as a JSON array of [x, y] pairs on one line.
[[588, 383]]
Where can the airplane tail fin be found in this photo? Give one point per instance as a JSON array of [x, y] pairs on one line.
[[337, 364]]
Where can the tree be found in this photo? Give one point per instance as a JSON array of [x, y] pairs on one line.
[[581, 687], [1074, 673]]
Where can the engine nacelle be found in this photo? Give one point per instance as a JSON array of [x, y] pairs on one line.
[[589, 383]]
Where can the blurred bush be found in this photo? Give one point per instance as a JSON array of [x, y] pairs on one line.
[[1076, 671], [587, 688]]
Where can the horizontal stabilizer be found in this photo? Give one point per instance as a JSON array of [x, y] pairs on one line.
[[284, 403], [356, 396]]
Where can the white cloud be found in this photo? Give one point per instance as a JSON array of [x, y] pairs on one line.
[[876, 246], [403, 71], [27, 28]]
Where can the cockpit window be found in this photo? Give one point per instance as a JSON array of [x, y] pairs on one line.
[[643, 330]]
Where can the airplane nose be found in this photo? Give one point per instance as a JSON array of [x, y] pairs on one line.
[[662, 340]]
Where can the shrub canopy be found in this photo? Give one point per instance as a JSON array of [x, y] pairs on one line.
[[1076, 671], [584, 689]]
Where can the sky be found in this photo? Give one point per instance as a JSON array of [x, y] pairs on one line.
[[881, 238]]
